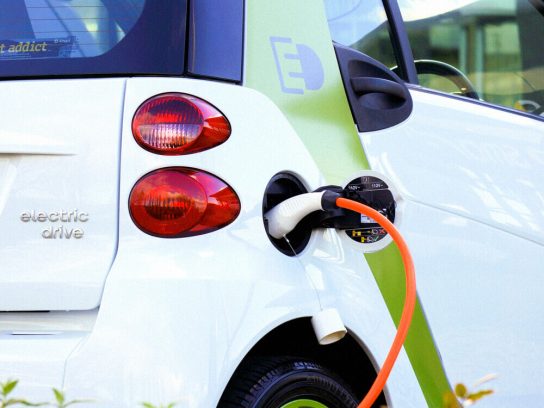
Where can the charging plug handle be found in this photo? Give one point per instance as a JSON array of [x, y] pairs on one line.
[[381, 200], [284, 217]]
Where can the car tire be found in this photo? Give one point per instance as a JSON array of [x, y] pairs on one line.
[[272, 382]]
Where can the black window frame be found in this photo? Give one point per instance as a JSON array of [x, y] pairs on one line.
[[401, 43], [216, 53]]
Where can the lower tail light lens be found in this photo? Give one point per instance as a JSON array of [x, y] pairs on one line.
[[177, 123], [180, 202]]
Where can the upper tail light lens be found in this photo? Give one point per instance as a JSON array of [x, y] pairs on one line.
[[176, 124], [181, 202]]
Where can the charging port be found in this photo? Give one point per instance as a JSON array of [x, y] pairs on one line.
[[368, 190], [281, 187]]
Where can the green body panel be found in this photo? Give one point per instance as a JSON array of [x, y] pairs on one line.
[[322, 119], [388, 270]]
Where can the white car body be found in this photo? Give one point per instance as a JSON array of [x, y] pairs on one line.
[[175, 317]]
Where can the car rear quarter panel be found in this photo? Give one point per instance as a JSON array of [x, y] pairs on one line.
[[178, 315]]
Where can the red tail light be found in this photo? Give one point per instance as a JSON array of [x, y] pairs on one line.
[[176, 124], [181, 202]]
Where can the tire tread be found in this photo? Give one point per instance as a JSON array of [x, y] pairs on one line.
[[256, 374]]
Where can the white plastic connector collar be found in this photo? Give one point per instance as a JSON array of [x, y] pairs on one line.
[[328, 326], [284, 217]]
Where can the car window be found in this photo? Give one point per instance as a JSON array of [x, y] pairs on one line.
[[71, 37], [362, 25], [493, 44], [64, 29]]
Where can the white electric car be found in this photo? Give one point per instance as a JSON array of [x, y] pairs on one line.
[[141, 141]]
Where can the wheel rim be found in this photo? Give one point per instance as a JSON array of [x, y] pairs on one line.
[[304, 403]]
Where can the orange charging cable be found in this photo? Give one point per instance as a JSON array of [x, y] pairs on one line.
[[409, 302]]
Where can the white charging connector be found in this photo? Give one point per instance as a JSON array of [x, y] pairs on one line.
[[284, 217]]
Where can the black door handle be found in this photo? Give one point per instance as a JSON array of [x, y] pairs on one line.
[[365, 85], [377, 96]]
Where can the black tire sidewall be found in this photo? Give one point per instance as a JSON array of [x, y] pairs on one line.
[[296, 381]]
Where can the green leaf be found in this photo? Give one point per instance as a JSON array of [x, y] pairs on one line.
[[148, 405], [461, 390], [59, 396], [77, 402], [8, 387], [23, 402]]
